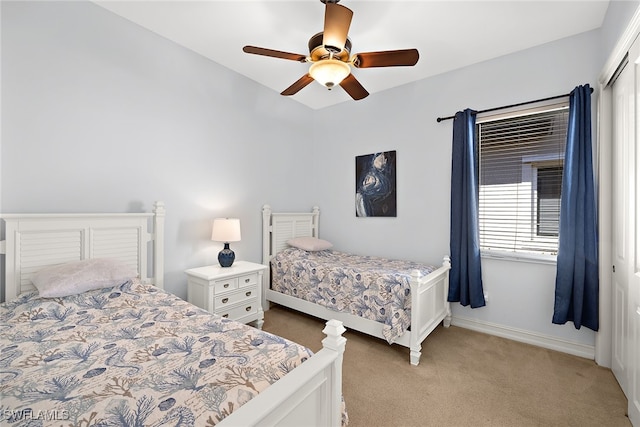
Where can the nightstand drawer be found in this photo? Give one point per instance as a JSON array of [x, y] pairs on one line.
[[225, 285], [234, 298], [249, 307], [248, 280]]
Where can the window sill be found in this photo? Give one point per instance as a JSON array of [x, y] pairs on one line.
[[520, 257]]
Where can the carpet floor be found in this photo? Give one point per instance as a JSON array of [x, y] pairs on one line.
[[465, 378]]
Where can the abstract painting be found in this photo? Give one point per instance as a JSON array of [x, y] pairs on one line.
[[376, 184]]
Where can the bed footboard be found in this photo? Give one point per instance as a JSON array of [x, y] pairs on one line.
[[429, 306], [310, 395]]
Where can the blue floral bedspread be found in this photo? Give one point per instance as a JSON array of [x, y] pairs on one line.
[[371, 287], [133, 355]]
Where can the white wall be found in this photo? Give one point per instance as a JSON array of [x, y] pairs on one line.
[[100, 115], [521, 295]]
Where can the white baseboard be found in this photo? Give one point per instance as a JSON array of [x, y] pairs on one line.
[[528, 337]]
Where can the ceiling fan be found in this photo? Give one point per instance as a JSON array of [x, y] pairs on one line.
[[330, 55]]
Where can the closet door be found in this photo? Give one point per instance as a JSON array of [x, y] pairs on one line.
[[633, 388], [625, 361], [623, 134]]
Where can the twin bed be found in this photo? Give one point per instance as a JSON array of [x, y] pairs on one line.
[[399, 301], [128, 353]]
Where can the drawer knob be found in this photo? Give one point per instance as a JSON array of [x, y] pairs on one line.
[[248, 308], [225, 315], [226, 285], [225, 300], [248, 294], [247, 280]]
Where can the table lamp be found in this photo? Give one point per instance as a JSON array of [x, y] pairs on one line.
[[226, 230]]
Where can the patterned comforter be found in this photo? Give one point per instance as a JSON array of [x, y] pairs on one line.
[[132, 355], [366, 286]]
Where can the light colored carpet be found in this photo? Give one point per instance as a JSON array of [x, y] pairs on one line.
[[465, 378]]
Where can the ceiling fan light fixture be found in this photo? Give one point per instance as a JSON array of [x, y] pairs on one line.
[[330, 55], [329, 72]]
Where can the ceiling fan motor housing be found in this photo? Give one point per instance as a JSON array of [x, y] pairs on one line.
[[318, 51]]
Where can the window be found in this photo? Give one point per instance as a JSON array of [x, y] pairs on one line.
[[521, 164]]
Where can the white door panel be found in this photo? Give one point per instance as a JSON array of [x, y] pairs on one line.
[[625, 232], [633, 375], [622, 105]]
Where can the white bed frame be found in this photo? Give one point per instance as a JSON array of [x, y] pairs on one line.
[[309, 395], [429, 305]]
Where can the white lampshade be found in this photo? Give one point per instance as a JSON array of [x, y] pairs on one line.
[[329, 72], [226, 230]]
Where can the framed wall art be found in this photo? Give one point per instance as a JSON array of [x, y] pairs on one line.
[[376, 184]]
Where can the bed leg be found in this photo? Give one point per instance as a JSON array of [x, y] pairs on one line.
[[260, 320], [446, 322], [415, 354]]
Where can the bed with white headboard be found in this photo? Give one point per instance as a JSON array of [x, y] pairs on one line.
[[428, 292], [135, 352]]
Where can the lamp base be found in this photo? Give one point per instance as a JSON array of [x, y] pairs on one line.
[[226, 256]]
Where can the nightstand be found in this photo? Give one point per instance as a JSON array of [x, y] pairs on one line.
[[233, 292]]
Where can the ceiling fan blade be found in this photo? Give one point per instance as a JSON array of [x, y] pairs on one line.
[[337, 20], [353, 87], [388, 58], [299, 84], [274, 53]]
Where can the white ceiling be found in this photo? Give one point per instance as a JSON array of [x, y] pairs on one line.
[[448, 34]]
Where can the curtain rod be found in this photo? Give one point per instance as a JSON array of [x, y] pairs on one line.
[[439, 119]]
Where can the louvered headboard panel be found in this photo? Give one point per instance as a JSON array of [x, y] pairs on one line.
[[121, 243], [277, 228], [35, 250], [34, 241]]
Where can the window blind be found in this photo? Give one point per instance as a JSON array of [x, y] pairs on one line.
[[521, 163]]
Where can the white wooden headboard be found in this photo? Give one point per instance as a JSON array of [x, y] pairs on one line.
[[277, 228], [34, 241]]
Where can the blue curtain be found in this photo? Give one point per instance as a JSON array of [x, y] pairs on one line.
[[465, 277], [576, 295]]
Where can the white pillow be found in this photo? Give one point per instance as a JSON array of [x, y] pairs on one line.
[[80, 276], [309, 243]]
